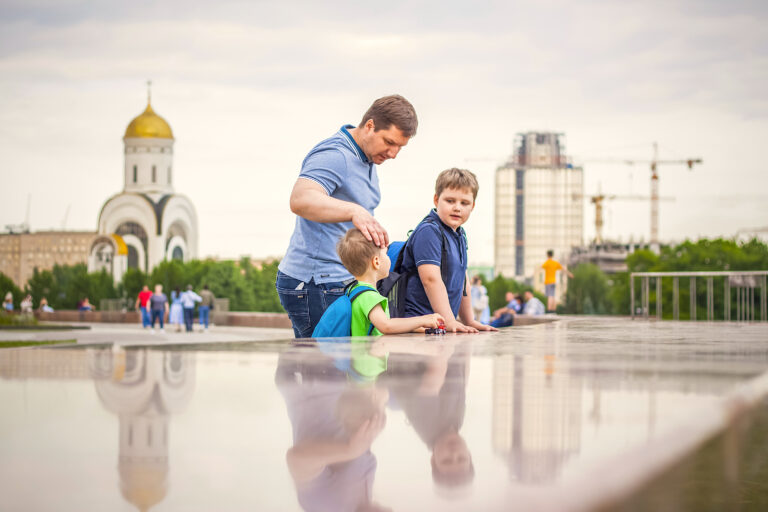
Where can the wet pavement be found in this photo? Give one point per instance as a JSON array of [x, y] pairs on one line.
[[580, 414]]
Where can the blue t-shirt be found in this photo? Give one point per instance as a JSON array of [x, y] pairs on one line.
[[342, 169], [424, 247]]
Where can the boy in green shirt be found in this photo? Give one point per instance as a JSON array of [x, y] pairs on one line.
[[368, 264]]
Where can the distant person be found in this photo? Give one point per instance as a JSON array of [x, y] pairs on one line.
[[26, 305], [85, 305], [44, 307], [188, 300], [176, 315], [505, 317], [8, 302], [370, 311], [551, 266], [337, 189], [533, 306], [206, 304], [439, 286], [159, 306], [142, 304], [479, 295]]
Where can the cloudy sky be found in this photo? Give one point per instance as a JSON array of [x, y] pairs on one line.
[[249, 87]]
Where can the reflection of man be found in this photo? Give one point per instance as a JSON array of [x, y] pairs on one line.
[[431, 391], [334, 424], [337, 189]]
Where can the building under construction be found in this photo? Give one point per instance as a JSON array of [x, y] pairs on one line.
[[538, 206]]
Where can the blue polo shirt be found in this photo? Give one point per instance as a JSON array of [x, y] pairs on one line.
[[425, 247], [342, 169]]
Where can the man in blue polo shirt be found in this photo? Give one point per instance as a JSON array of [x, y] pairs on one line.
[[338, 189]]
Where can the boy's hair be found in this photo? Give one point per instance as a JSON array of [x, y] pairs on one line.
[[391, 110], [550, 253], [355, 251], [456, 179]]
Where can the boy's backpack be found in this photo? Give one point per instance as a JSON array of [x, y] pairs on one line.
[[337, 319], [395, 285]]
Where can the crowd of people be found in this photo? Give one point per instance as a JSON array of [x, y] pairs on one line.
[[156, 311], [26, 306]]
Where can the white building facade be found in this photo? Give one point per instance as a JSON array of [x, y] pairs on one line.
[[538, 207], [147, 222]]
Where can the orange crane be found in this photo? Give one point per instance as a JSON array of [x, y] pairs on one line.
[[654, 164]]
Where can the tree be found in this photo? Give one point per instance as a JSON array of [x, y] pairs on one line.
[[7, 285], [588, 291]]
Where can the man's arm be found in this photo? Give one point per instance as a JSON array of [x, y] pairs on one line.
[[310, 201]]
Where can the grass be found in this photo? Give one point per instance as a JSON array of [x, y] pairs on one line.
[[33, 343], [16, 320]]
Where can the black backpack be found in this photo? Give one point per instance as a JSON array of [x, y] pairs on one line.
[[395, 285]]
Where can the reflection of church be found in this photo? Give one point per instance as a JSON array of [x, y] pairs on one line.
[[143, 388], [141, 226], [146, 223]]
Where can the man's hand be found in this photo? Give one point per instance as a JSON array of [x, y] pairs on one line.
[[456, 326], [370, 227]]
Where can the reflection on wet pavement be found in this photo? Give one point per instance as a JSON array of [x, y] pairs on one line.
[[520, 419]]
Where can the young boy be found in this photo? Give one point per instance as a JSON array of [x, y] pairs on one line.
[[442, 284], [368, 264]]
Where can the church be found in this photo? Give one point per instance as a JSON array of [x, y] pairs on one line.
[[141, 226]]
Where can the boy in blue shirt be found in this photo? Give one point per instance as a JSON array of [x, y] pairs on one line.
[[442, 285], [368, 264]]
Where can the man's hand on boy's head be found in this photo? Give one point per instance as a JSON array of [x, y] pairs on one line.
[[370, 227]]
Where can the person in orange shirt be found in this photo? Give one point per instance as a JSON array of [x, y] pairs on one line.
[[551, 266]]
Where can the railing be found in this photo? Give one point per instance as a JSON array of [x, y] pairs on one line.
[[744, 285]]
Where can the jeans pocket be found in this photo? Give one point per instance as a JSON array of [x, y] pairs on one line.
[[296, 304]]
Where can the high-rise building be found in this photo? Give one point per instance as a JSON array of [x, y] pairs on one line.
[[538, 206]]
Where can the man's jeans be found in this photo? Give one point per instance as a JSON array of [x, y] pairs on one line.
[[158, 314], [146, 320], [306, 302], [189, 316], [203, 313]]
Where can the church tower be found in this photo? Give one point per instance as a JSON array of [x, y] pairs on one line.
[[147, 222]]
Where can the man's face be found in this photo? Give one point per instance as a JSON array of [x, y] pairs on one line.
[[381, 145], [528, 296], [508, 297], [454, 206]]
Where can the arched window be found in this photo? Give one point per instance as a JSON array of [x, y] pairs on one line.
[[154, 174], [133, 257], [135, 173], [177, 254]]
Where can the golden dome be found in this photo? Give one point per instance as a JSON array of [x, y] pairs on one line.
[[149, 124]]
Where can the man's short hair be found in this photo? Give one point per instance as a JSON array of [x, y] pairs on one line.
[[392, 110], [456, 179], [356, 251], [550, 253]]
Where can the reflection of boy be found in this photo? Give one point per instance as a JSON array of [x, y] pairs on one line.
[[434, 406], [455, 194], [334, 425], [370, 314]]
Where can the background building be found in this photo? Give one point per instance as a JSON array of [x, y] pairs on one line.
[[538, 207], [138, 228]]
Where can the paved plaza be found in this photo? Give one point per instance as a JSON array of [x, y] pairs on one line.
[[580, 414]]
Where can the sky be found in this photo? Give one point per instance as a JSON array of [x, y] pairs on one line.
[[249, 87]]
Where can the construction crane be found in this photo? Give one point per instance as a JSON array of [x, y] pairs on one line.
[[15, 229], [598, 199], [654, 164]]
